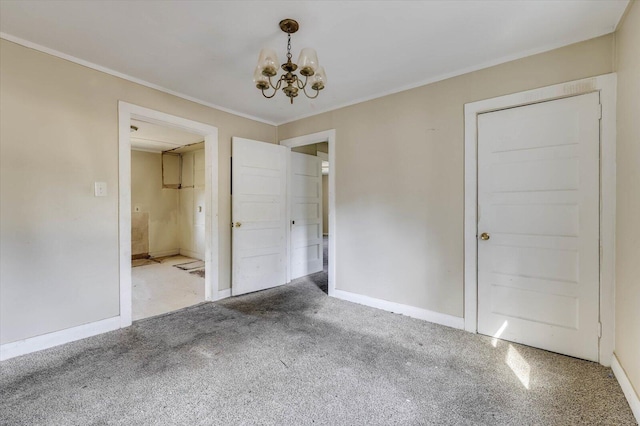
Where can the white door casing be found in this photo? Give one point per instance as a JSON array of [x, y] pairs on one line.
[[126, 112], [259, 215], [330, 137], [605, 86], [306, 215], [538, 199]]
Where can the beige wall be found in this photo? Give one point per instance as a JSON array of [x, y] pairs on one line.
[[160, 204], [58, 135], [400, 200], [628, 196]]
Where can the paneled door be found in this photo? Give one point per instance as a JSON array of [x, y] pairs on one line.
[[306, 215], [538, 225], [259, 215]]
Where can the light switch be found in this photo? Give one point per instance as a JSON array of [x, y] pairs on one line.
[[100, 189]]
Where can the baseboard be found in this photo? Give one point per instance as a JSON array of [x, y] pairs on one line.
[[410, 311], [193, 254], [627, 387], [49, 340], [223, 294], [164, 253]]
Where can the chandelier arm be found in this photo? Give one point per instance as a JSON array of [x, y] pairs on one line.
[[277, 85], [300, 84], [304, 89], [271, 96]]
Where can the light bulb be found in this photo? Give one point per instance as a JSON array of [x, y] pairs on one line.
[[308, 61], [268, 62], [319, 79]]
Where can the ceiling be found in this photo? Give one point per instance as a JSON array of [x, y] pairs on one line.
[[154, 138], [207, 51]]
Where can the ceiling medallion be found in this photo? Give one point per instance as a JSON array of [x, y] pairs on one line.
[[314, 75]]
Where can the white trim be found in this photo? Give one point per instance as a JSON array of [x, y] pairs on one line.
[[76, 60], [223, 294], [410, 311], [382, 94], [606, 86], [163, 253], [447, 76], [627, 388], [49, 340], [330, 137], [126, 112]]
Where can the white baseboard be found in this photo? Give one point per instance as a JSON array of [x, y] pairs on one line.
[[223, 294], [189, 253], [49, 340], [627, 387], [164, 253], [410, 311]]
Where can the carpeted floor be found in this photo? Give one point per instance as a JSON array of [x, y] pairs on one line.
[[291, 355]]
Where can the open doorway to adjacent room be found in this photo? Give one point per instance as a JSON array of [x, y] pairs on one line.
[[312, 211], [309, 254], [168, 209], [167, 219]]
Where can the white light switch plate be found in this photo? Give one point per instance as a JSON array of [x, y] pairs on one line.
[[100, 189]]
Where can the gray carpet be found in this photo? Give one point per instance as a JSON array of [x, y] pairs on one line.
[[292, 355]]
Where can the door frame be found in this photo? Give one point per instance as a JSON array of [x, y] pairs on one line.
[[606, 86], [127, 112], [330, 137]]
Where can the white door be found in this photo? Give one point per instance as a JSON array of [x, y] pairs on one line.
[[306, 215], [538, 202], [259, 215]]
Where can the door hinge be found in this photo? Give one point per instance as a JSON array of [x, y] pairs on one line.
[[599, 111], [599, 329]]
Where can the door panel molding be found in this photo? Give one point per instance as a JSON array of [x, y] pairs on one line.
[[305, 211], [605, 85], [330, 137], [259, 215]]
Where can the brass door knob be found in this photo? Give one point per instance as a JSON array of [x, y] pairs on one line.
[[238, 224], [484, 236]]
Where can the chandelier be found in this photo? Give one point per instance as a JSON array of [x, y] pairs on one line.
[[313, 74]]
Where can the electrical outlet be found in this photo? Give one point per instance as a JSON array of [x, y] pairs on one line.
[[100, 189]]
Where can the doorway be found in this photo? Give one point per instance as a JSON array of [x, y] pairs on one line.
[[129, 113], [539, 209], [167, 219], [320, 145]]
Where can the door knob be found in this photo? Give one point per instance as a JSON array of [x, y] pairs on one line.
[[484, 236], [238, 224]]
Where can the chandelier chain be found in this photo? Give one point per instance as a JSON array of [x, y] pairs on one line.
[[289, 47]]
